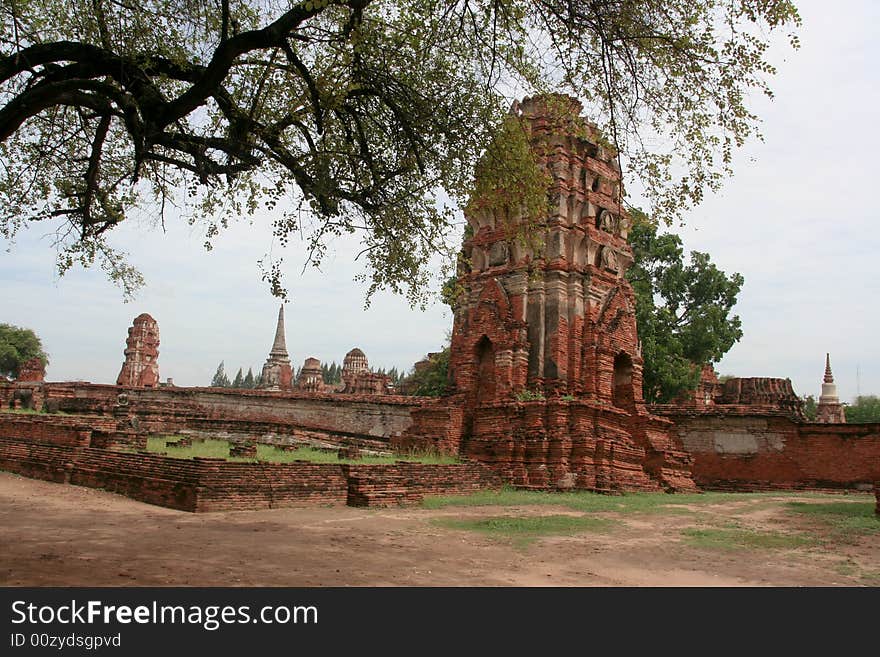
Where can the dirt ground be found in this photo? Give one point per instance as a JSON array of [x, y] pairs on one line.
[[58, 535]]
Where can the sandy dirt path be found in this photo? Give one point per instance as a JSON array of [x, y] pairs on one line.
[[57, 535]]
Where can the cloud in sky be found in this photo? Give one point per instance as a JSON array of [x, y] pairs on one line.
[[798, 220]]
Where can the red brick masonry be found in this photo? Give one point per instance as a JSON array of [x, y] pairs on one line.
[[62, 454], [750, 449]]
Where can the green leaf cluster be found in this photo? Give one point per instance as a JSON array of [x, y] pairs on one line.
[[18, 345], [353, 117], [430, 380], [683, 310], [866, 408]]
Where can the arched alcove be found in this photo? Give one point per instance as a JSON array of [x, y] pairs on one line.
[[622, 387], [485, 360]]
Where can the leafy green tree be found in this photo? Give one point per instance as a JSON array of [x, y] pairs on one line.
[[359, 110], [249, 381], [810, 407], [683, 310], [18, 345], [220, 379], [431, 379], [239, 379], [865, 409]]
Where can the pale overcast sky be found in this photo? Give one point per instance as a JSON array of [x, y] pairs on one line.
[[798, 220]]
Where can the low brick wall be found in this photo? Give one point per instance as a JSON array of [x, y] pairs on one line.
[[53, 429], [743, 451], [218, 485], [409, 483], [225, 485], [366, 420], [38, 461], [70, 430]]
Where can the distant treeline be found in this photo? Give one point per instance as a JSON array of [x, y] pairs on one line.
[[332, 375]]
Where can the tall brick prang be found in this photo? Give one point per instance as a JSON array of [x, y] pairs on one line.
[[141, 366], [545, 361]]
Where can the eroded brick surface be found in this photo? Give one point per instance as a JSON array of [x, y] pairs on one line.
[[546, 371], [754, 448], [141, 366]]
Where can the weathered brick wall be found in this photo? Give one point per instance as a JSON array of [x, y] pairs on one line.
[[577, 444], [436, 426], [169, 409], [215, 484], [37, 460], [408, 483], [147, 478], [54, 429], [739, 450], [225, 485]]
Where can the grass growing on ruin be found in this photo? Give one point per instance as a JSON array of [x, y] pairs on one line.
[[270, 454], [30, 411], [523, 530], [736, 538], [587, 501]]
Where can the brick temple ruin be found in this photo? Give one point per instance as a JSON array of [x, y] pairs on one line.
[[141, 366], [545, 387], [557, 325]]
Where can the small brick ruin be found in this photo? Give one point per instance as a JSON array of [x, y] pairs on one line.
[[277, 374], [357, 379], [141, 366], [31, 371], [767, 393], [311, 377], [545, 361]]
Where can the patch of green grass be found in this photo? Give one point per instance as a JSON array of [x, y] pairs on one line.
[[851, 518], [871, 578], [270, 454], [587, 501], [29, 411], [734, 538], [524, 529]]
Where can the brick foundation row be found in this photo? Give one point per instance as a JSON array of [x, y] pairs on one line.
[[218, 485]]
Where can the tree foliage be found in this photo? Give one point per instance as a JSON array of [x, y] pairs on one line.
[[810, 407], [220, 378], [683, 310], [348, 116], [18, 345], [429, 379], [866, 408]]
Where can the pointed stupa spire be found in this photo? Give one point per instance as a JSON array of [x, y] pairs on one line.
[[829, 388], [829, 408], [829, 377], [279, 347]]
